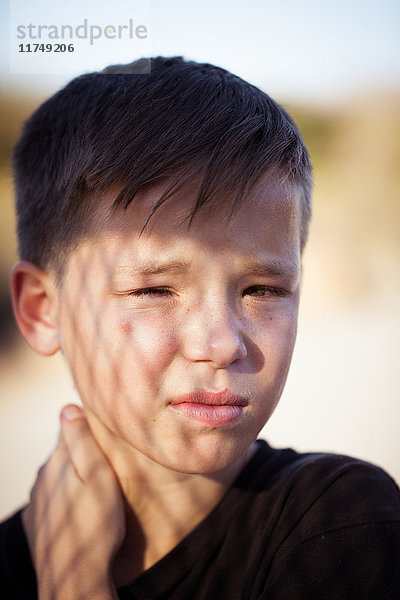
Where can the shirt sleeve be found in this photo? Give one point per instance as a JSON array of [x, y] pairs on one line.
[[17, 576]]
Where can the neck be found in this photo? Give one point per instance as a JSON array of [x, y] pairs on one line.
[[161, 506]]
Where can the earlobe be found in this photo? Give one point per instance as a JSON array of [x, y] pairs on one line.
[[35, 304]]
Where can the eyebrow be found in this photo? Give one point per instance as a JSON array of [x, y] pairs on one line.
[[155, 268], [266, 268], [272, 267]]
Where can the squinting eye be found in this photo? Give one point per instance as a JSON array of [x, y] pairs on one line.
[[151, 292], [260, 291]]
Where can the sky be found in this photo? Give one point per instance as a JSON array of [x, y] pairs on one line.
[[294, 49]]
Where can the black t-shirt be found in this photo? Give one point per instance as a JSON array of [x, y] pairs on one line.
[[292, 527]]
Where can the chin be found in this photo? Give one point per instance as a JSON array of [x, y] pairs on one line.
[[209, 456]]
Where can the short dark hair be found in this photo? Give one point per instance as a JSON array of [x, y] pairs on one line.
[[131, 126]]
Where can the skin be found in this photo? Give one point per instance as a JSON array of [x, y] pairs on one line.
[[214, 323]]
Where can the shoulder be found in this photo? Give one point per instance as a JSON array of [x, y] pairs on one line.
[[298, 496], [337, 493], [17, 576], [336, 528], [353, 490], [311, 480]]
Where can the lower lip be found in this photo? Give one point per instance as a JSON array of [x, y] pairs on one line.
[[209, 414]]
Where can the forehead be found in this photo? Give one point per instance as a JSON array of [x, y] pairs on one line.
[[272, 206]]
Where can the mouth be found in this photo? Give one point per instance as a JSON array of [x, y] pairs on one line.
[[209, 408]]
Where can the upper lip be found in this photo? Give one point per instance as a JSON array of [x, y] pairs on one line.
[[224, 398]]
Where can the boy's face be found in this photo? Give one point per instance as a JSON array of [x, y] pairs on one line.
[[146, 321]]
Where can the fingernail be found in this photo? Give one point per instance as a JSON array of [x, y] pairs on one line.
[[72, 412]]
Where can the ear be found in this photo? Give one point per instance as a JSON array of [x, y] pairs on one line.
[[35, 302]]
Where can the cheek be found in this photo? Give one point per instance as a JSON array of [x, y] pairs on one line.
[[285, 341], [119, 368], [277, 343], [149, 342], [121, 353]]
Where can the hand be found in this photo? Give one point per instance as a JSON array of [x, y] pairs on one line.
[[75, 521]]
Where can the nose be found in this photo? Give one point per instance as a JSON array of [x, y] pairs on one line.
[[212, 334]]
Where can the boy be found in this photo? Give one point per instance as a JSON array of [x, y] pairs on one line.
[[161, 220]]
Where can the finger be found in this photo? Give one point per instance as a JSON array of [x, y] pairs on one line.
[[87, 458], [49, 482], [70, 412]]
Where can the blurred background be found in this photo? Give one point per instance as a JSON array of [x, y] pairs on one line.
[[336, 68]]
